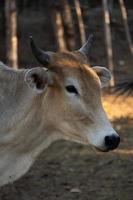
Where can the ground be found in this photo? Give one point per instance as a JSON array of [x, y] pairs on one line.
[[69, 171]]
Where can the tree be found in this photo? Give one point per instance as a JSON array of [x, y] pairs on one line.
[[108, 39], [80, 21], [58, 25], [68, 24], [11, 33], [125, 22]]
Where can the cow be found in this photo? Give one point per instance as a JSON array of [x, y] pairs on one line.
[[40, 105]]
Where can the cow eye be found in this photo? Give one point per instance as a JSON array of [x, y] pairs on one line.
[[71, 89]]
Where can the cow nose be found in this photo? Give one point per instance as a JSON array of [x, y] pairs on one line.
[[112, 141]]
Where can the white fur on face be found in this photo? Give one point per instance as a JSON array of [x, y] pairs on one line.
[[97, 132]]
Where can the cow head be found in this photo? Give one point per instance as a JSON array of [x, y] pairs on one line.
[[72, 90]]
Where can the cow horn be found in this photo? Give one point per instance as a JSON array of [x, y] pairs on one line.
[[86, 47], [39, 54]]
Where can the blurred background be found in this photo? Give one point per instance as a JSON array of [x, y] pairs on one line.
[[69, 171]]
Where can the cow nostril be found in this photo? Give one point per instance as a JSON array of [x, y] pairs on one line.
[[112, 141]]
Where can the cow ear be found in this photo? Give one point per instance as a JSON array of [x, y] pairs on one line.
[[103, 74], [38, 79]]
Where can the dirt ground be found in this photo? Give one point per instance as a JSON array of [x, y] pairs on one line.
[[70, 171]]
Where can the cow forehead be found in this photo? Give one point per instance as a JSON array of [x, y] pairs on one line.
[[69, 65]]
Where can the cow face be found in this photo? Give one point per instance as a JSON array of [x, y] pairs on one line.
[[74, 99]]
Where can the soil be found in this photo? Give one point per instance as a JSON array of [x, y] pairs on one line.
[[70, 171]]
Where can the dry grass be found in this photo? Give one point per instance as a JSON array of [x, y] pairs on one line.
[[118, 107]]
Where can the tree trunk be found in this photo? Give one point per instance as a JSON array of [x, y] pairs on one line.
[[108, 39], [125, 22], [68, 24], [11, 33], [58, 25], [110, 5], [80, 21]]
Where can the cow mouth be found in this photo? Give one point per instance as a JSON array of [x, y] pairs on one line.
[[101, 150]]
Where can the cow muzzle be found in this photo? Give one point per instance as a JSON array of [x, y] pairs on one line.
[[112, 141]]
